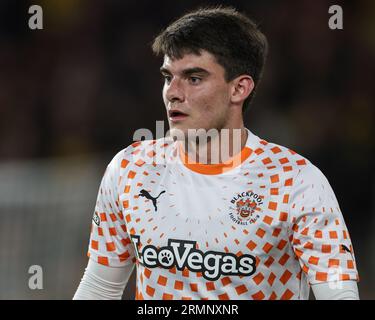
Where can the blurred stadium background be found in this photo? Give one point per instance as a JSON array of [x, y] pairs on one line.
[[72, 95]]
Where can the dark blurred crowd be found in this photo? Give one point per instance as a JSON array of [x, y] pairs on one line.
[[88, 80]]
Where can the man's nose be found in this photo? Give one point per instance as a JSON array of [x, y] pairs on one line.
[[174, 91]]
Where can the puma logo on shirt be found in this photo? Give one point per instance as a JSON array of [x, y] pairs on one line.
[[147, 195]]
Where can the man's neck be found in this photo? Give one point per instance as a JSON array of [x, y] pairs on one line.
[[217, 148]]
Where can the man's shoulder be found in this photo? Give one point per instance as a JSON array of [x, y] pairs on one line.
[[271, 155], [282, 159], [143, 152]]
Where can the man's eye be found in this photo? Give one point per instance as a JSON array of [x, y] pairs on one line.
[[195, 80], [167, 78]]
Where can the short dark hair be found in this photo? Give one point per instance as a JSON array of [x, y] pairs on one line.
[[235, 41]]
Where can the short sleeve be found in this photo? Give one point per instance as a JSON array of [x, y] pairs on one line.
[[110, 243], [320, 238]]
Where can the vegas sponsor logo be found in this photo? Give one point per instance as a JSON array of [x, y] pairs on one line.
[[184, 254]]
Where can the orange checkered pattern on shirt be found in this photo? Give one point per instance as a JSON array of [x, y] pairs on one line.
[[274, 207]]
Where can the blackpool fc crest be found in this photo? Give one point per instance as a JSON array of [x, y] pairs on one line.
[[245, 208]]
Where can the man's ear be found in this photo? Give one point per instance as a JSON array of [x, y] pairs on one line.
[[242, 86]]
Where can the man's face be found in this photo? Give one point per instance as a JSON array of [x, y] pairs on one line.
[[195, 92]]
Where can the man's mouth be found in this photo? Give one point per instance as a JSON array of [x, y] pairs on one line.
[[176, 115]]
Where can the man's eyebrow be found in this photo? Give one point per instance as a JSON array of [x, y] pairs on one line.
[[164, 70], [187, 72]]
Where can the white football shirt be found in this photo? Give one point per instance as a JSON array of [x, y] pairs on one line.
[[264, 225]]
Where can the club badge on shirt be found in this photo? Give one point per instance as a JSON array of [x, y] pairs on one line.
[[245, 207]]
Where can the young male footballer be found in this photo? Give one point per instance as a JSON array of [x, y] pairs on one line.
[[259, 221]]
